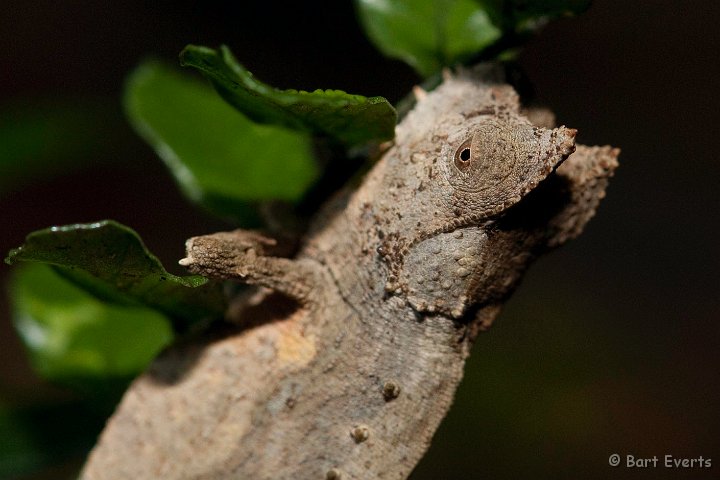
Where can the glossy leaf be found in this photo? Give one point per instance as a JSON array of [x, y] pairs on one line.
[[110, 260], [351, 119], [428, 34], [431, 34], [219, 158], [75, 338]]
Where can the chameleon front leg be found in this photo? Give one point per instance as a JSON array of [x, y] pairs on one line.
[[246, 256]]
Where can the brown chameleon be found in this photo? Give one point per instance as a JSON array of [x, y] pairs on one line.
[[343, 362]]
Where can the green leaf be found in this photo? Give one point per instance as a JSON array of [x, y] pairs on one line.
[[219, 158], [110, 260], [428, 34], [75, 338], [351, 119], [431, 34]]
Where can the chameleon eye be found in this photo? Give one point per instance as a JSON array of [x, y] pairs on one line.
[[463, 155]]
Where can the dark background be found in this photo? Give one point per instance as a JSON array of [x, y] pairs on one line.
[[611, 343]]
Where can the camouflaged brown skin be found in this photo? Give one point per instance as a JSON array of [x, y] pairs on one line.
[[391, 285]]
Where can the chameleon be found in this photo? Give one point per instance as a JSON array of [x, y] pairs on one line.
[[344, 358]]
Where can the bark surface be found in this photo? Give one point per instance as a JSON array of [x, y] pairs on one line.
[[346, 357]]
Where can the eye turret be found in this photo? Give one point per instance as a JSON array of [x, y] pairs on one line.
[[500, 160]]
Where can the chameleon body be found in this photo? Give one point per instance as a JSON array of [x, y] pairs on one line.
[[345, 360]]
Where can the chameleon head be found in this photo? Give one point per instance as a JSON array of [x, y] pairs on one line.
[[494, 162], [488, 166], [463, 157]]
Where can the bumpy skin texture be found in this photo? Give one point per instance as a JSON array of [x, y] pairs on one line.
[[345, 360]]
